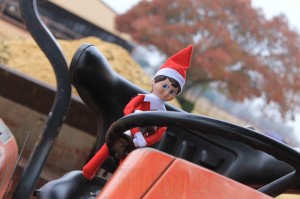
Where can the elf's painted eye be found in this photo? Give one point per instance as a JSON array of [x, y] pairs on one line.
[[165, 86], [172, 92]]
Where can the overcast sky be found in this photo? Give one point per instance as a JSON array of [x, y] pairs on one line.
[[290, 8], [121, 6], [271, 7]]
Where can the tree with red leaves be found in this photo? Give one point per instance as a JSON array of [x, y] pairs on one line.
[[236, 49]]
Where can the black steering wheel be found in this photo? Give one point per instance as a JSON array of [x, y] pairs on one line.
[[200, 125]]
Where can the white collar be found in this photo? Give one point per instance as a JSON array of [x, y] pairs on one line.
[[155, 102]]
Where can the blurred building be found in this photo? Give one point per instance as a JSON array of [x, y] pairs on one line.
[[66, 20]]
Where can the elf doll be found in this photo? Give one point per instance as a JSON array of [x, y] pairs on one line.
[[167, 83]]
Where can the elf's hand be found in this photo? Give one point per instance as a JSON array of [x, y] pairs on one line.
[[139, 140], [135, 142]]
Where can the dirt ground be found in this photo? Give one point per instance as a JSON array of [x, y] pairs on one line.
[[25, 56]]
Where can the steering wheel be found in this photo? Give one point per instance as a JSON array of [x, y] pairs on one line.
[[202, 125]]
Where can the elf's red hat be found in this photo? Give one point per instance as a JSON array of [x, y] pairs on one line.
[[176, 66]]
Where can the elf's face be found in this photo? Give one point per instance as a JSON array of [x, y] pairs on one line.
[[164, 90]]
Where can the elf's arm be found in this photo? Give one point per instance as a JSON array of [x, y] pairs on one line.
[[133, 104], [155, 137]]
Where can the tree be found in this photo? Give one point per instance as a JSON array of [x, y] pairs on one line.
[[236, 49]]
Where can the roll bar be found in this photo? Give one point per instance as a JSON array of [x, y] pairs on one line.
[[57, 114]]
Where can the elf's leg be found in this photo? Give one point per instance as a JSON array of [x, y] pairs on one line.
[[90, 169]]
